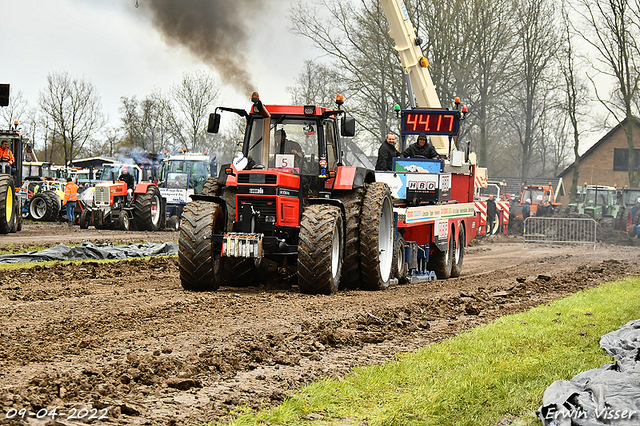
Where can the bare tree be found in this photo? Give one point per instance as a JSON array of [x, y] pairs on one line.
[[354, 35], [194, 97], [537, 44], [575, 94], [613, 28], [74, 109], [16, 110], [493, 35], [317, 84]]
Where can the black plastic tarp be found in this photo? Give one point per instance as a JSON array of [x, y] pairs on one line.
[[89, 250], [609, 395]]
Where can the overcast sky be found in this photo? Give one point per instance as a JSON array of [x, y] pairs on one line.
[[118, 48]]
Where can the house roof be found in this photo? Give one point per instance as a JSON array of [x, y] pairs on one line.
[[595, 146]]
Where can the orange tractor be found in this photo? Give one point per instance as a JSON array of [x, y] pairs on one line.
[[113, 208]]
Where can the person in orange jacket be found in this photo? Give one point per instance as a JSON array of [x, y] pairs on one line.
[[6, 157], [70, 198]]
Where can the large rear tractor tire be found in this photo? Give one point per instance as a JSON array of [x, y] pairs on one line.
[[351, 275], [147, 210], [320, 249], [7, 204], [376, 237], [441, 262], [199, 259], [458, 254]]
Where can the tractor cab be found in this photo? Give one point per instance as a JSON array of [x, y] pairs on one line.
[[301, 140], [15, 144]]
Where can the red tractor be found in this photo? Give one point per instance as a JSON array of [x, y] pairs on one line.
[[289, 198], [113, 208]]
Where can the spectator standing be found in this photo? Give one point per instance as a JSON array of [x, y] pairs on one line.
[[386, 153], [491, 214], [526, 209], [70, 198]]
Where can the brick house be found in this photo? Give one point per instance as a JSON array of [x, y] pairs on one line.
[[606, 162]]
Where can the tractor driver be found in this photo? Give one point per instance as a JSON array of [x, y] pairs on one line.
[[286, 146], [127, 178], [6, 157]]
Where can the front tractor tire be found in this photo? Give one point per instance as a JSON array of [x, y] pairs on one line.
[[320, 249], [376, 237], [199, 261], [147, 210], [7, 204]]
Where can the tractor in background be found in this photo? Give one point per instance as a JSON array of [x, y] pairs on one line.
[[10, 175], [182, 175], [112, 207]]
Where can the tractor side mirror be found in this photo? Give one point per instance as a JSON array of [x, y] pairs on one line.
[[214, 123], [348, 126], [4, 95]]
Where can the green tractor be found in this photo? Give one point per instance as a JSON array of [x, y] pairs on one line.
[[628, 199], [599, 202]]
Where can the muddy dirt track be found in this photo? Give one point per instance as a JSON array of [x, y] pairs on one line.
[[124, 340]]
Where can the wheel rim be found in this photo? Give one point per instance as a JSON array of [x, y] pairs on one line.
[[335, 251], [8, 205], [125, 221], [155, 210], [38, 208], [385, 240]]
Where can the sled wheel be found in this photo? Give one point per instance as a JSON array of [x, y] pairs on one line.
[[458, 254], [400, 261], [441, 262]]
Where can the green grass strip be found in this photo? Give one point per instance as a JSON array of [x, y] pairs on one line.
[[491, 374]]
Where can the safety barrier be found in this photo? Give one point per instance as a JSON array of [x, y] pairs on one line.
[[560, 230]]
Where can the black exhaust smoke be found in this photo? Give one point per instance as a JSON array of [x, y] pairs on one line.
[[214, 30]]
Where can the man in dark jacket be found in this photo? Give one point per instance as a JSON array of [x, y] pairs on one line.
[[491, 214], [386, 152], [526, 209], [422, 148]]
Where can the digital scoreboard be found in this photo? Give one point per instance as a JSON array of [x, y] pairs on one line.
[[431, 122]]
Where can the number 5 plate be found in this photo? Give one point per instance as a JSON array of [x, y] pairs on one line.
[[242, 245]]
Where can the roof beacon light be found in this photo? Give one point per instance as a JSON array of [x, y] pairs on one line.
[[255, 97], [424, 63], [339, 99]]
